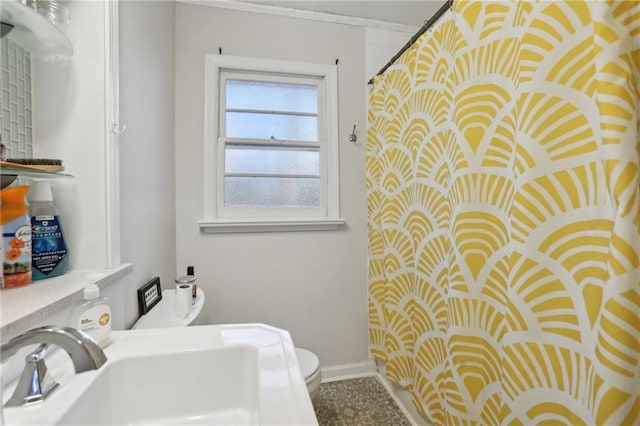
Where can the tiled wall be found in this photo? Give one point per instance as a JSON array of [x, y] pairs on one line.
[[15, 98]]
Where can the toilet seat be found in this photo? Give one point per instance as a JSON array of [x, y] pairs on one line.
[[309, 364], [310, 367]]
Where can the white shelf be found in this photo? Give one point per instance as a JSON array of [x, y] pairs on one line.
[[164, 313], [23, 307], [32, 31]]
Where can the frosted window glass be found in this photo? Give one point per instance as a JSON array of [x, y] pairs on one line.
[[264, 126], [243, 94], [260, 192], [265, 160]]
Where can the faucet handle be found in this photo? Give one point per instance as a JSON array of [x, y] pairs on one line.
[[38, 354], [35, 383]]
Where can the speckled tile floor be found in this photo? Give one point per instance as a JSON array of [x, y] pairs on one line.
[[362, 402]]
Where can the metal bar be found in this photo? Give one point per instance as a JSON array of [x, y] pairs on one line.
[[270, 112], [270, 143], [445, 7], [271, 175]]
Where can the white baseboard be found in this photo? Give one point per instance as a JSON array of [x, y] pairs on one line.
[[348, 371]]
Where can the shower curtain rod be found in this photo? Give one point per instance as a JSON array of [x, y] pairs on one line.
[[428, 24]]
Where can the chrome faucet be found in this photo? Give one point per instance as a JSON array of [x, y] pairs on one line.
[[35, 383]]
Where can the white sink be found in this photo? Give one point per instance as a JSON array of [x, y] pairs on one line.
[[203, 375], [224, 395]]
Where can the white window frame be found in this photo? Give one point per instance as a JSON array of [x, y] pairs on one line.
[[217, 217]]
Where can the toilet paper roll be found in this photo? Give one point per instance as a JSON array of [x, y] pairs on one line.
[[183, 300]]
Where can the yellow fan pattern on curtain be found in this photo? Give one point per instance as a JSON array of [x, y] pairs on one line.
[[504, 215]]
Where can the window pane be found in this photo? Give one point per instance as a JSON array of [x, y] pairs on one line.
[[263, 160], [259, 192], [264, 126], [261, 95]]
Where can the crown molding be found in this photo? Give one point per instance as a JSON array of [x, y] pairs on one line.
[[303, 14]]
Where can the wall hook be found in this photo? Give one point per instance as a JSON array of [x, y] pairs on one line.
[[353, 137], [118, 129]]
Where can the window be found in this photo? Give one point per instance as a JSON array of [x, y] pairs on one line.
[[270, 146]]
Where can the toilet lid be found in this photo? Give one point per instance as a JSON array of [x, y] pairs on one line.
[[309, 362]]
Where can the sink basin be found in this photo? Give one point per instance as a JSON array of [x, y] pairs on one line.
[[203, 375], [227, 394]]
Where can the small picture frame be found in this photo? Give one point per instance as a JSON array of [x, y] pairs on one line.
[[149, 295]]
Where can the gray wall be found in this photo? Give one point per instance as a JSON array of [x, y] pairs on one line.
[[146, 149], [313, 284]]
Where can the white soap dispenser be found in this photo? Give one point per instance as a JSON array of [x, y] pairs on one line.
[[93, 316]]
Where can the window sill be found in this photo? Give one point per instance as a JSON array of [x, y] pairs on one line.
[[216, 226]]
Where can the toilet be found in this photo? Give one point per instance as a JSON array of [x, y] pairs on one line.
[[310, 365], [163, 315]]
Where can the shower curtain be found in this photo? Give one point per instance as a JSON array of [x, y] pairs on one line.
[[503, 215]]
